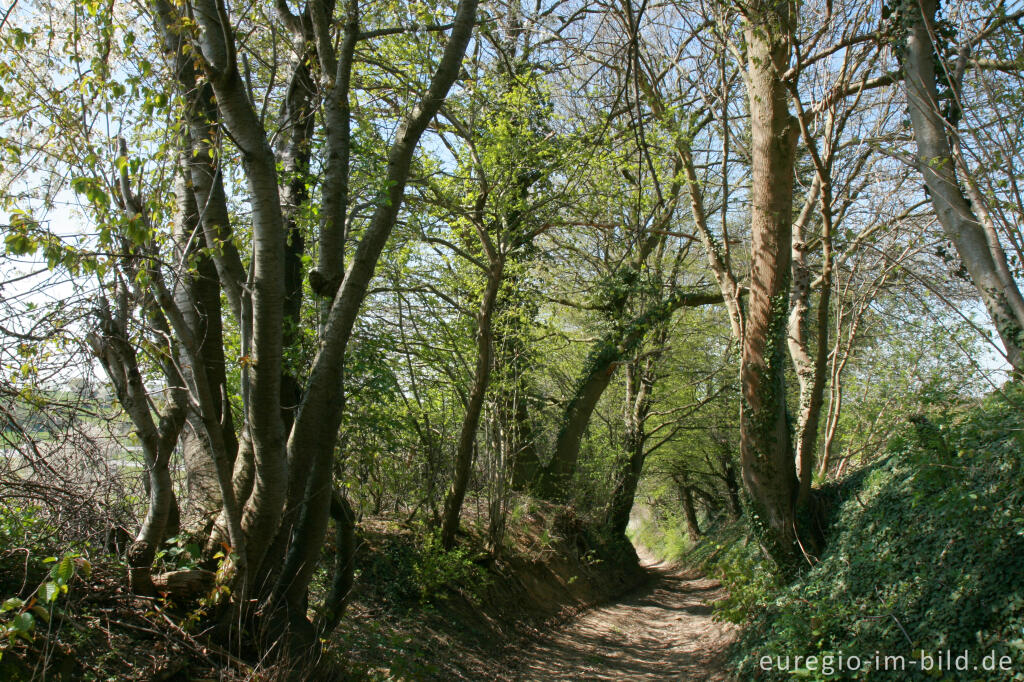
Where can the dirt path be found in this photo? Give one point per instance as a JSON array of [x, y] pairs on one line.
[[662, 631]]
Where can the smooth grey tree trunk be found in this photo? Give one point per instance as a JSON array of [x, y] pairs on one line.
[[315, 431], [982, 255]]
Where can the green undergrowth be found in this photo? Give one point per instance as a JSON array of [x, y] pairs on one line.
[[411, 569], [925, 556], [65, 613], [417, 611], [665, 536]]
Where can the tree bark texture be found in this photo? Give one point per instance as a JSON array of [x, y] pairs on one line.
[[639, 385], [766, 451], [283, 483]]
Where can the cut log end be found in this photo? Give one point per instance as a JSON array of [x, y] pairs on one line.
[[185, 584]]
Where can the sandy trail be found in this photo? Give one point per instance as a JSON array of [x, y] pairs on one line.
[[662, 631]]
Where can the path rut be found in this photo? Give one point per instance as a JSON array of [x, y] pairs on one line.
[[662, 631]]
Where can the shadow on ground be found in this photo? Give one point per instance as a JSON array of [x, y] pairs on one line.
[[661, 631]]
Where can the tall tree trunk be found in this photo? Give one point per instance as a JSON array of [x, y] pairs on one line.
[[639, 388], [555, 478], [981, 254], [204, 190], [197, 295], [294, 151], [840, 356], [811, 369], [689, 510], [344, 563], [117, 355], [295, 144], [600, 366], [525, 460], [289, 479], [732, 484], [516, 312], [262, 511], [628, 478], [625, 491], [766, 450], [474, 405], [314, 433]]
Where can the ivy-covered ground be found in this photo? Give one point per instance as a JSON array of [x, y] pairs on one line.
[[924, 566]]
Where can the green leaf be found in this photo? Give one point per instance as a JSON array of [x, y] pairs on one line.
[[51, 591], [64, 571], [11, 604], [23, 624]]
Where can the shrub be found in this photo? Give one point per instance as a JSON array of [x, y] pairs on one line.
[[747, 575], [414, 569], [437, 572]]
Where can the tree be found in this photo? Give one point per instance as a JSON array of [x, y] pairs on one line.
[[273, 468], [766, 449], [935, 95]]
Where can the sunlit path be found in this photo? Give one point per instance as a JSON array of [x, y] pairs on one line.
[[661, 631]]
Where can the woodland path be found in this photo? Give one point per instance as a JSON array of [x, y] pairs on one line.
[[661, 631]]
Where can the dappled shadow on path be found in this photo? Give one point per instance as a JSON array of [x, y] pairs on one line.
[[662, 631]]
